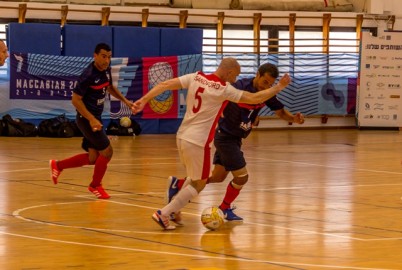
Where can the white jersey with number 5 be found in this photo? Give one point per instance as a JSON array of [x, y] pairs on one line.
[[207, 96]]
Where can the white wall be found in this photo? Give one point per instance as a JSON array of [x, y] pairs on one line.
[[387, 7], [393, 7]]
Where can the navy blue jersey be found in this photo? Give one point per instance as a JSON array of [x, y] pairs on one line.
[[92, 86], [238, 118]]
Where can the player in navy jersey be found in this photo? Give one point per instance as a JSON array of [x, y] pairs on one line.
[[88, 99], [235, 125]]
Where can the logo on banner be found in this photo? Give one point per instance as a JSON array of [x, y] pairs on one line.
[[158, 73], [20, 61], [155, 71]]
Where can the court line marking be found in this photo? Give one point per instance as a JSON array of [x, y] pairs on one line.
[[328, 166], [175, 163], [17, 214], [223, 257]]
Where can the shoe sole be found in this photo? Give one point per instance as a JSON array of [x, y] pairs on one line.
[[234, 220], [95, 192]]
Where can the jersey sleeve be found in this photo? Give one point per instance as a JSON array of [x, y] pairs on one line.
[[274, 104], [186, 79], [82, 86], [110, 76], [233, 94]]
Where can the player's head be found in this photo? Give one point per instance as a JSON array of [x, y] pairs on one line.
[[266, 76], [102, 56], [228, 70], [3, 52]]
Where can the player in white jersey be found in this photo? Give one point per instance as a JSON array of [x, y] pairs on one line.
[[206, 98]]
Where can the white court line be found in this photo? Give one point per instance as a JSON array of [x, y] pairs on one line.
[[223, 257], [332, 186], [89, 166], [249, 158], [17, 214], [327, 166]]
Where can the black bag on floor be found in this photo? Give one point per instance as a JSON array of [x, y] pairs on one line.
[[1, 127], [17, 127], [58, 127], [114, 128]]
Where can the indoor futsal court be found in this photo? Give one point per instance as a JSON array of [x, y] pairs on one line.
[[316, 199]]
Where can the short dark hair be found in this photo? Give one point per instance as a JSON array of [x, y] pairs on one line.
[[270, 69], [102, 46]]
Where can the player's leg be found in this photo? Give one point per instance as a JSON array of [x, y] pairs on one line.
[[230, 157], [174, 185], [57, 166], [100, 153], [219, 174], [240, 178], [197, 161], [100, 168]]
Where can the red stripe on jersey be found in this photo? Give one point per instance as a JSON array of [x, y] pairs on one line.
[[212, 77], [206, 167], [251, 106], [99, 87]]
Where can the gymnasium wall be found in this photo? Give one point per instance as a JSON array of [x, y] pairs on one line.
[[46, 60]]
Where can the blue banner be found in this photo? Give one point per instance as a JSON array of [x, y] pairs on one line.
[[36, 77]]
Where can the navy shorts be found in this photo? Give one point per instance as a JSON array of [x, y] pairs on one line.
[[97, 140], [228, 151]]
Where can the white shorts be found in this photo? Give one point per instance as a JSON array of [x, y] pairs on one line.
[[196, 159]]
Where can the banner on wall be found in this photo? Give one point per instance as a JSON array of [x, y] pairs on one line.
[[39, 77], [44, 77], [380, 85], [155, 72]]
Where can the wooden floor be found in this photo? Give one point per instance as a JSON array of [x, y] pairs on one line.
[[316, 199]]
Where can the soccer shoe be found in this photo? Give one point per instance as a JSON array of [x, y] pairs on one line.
[[99, 192], [172, 188], [54, 171], [162, 220], [230, 216], [176, 218]]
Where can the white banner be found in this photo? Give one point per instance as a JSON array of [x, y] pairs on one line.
[[379, 88]]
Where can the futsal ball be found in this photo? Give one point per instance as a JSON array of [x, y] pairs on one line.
[[125, 121], [212, 218]]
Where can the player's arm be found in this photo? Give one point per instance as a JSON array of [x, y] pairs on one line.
[[172, 84], [117, 94], [261, 96], [82, 109], [288, 117]]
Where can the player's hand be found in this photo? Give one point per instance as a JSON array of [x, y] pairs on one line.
[[96, 125], [285, 80], [299, 118], [129, 103], [137, 106]]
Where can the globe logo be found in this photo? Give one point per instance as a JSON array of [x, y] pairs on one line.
[[157, 73]]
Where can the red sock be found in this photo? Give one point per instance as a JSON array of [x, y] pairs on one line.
[[73, 162], [230, 196], [99, 170]]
